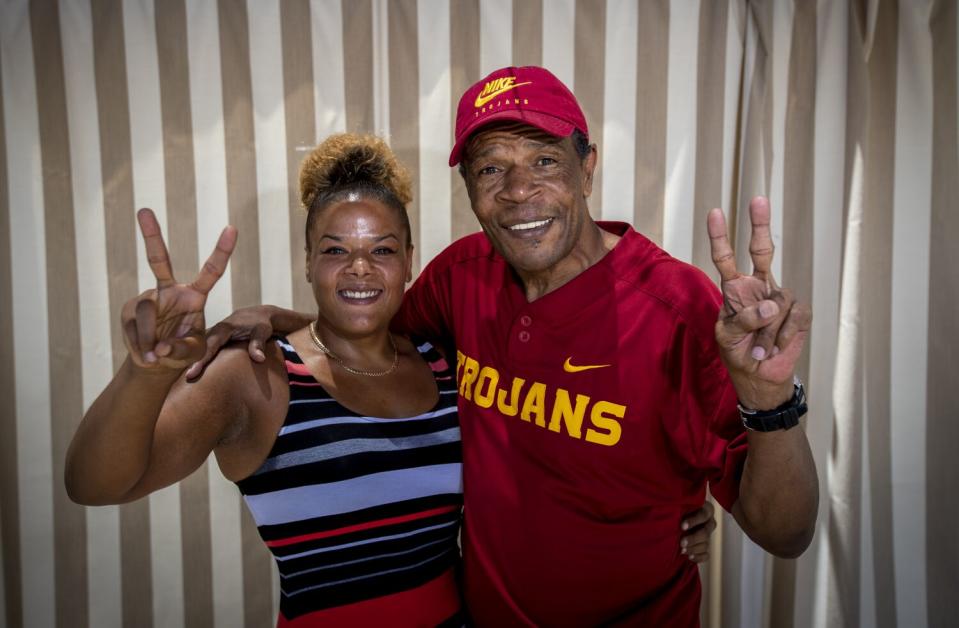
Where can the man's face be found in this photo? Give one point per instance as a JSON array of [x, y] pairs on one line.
[[528, 190]]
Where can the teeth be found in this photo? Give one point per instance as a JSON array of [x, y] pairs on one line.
[[356, 294], [530, 225]]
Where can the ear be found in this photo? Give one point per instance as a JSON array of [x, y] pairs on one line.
[[309, 278], [589, 167]]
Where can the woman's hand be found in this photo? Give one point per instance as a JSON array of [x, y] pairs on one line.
[[164, 327]]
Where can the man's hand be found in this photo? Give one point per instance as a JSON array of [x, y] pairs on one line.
[[254, 324], [164, 326], [698, 529], [761, 328]]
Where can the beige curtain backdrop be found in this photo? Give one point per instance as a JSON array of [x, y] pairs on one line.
[[844, 113]]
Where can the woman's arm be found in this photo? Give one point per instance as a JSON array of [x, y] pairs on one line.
[[133, 439]]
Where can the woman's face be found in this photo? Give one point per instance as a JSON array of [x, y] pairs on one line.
[[358, 262]]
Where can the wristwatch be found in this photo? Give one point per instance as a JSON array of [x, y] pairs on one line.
[[781, 418]]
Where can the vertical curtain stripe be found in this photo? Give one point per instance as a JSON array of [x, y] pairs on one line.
[[558, 30], [845, 463], [62, 318], [680, 140], [877, 239], [589, 72], [830, 107], [464, 59], [618, 151], [528, 32], [710, 110], [149, 172], [30, 342], [909, 317], [798, 214], [9, 492], [181, 196], [404, 97], [358, 65], [381, 68], [269, 132], [495, 31], [733, 71], [942, 464], [652, 69], [755, 95], [102, 546], [782, 17], [241, 169], [206, 106], [435, 127], [329, 84], [300, 130], [66, 402]]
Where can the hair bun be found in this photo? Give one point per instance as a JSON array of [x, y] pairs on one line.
[[348, 160]]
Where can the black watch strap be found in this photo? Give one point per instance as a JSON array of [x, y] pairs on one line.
[[781, 418]]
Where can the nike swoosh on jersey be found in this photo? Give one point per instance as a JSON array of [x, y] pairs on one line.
[[482, 100], [571, 368]]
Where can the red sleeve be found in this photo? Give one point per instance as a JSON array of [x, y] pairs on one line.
[[425, 312], [707, 433]]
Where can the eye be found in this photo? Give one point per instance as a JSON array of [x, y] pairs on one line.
[[334, 250], [488, 170], [545, 161], [384, 250]]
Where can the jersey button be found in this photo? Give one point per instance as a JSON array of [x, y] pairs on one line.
[[524, 336], [525, 320]]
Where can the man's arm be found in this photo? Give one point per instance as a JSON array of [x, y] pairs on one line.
[[760, 332], [253, 324]]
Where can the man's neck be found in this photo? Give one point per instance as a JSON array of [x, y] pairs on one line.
[[595, 244]]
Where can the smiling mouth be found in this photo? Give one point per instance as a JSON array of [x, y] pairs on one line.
[[528, 226], [360, 295]]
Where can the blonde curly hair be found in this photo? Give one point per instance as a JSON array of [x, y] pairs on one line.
[[349, 163]]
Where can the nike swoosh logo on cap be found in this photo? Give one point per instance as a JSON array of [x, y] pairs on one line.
[[570, 368], [482, 100]]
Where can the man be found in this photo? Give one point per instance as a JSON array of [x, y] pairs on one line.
[[598, 380]]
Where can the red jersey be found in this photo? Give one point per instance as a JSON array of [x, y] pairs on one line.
[[592, 420]]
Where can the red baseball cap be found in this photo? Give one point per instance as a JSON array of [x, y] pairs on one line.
[[529, 94]]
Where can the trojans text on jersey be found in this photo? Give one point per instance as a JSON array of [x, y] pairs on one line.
[[550, 407]]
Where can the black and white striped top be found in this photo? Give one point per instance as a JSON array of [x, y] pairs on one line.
[[361, 513]]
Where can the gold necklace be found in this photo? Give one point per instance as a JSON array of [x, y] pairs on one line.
[[322, 347]]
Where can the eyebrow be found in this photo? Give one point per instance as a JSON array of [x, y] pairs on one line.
[[536, 145], [339, 238]]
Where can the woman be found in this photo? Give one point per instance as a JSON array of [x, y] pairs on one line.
[[343, 440]]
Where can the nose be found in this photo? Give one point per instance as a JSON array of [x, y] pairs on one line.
[[359, 266], [519, 185]]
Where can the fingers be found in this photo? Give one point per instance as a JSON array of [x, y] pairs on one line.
[[146, 319], [760, 241], [215, 265], [216, 339], [187, 349], [157, 255], [722, 253], [764, 344], [699, 517], [700, 525], [258, 338], [797, 324], [133, 309]]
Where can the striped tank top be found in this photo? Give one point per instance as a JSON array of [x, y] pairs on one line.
[[362, 513]]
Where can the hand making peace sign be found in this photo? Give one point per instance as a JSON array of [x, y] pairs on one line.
[[761, 328], [165, 326]]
